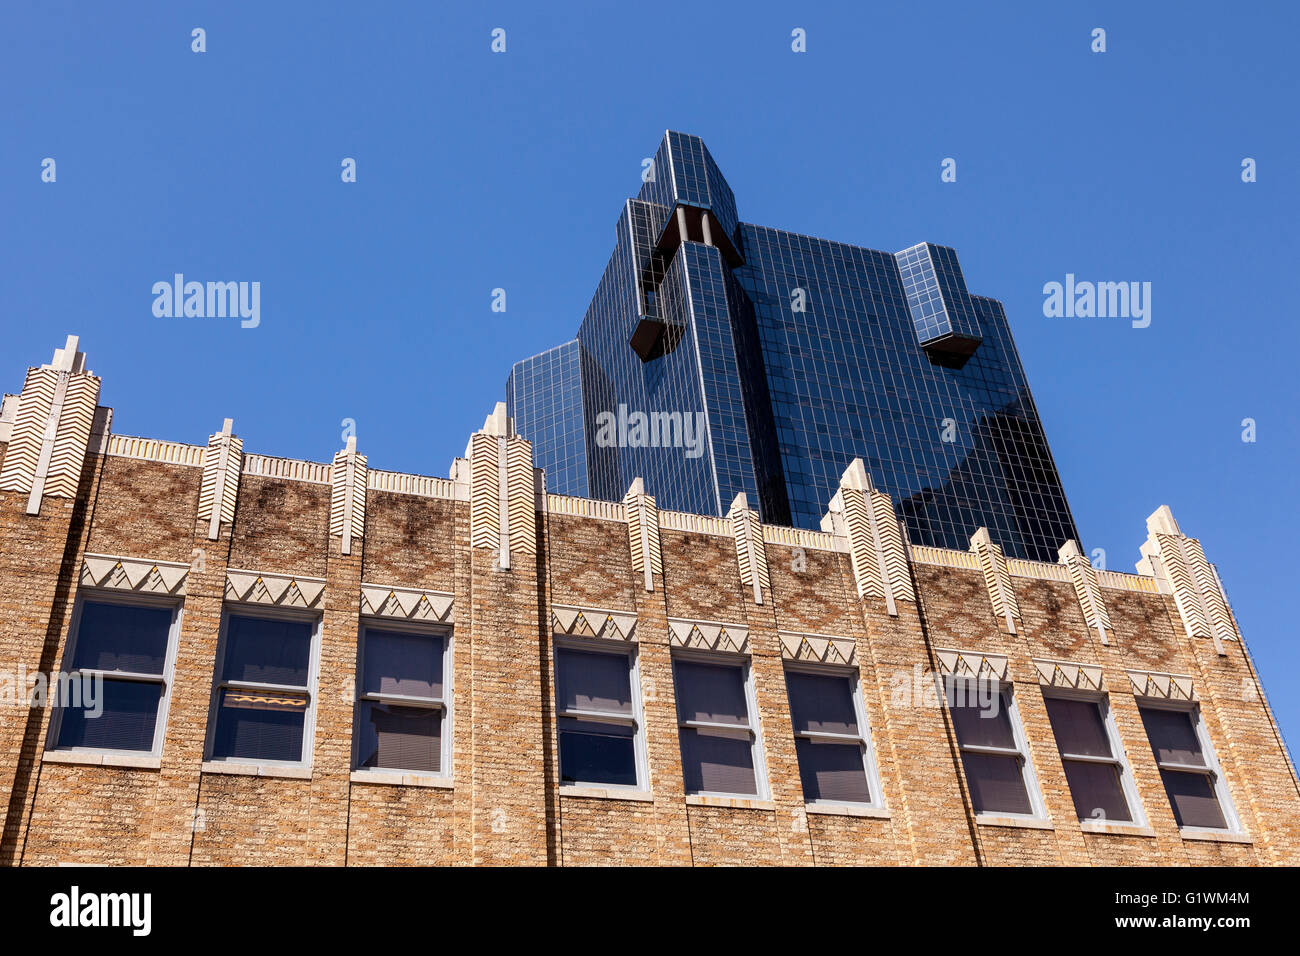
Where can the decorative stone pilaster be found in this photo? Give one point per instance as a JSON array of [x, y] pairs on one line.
[[503, 491], [1086, 588], [997, 578], [751, 555], [643, 533], [51, 428], [222, 463], [1179, 561], [348, 496], [876, 546]]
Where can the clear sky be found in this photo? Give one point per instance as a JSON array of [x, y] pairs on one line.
[[479, 170]]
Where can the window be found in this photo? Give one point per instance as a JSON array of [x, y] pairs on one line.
[[123, 649], [993, 753], [835, 765], [1187, 767], [1092, 757], [720, 750], [263, 694], [598, 716], [401, 700]]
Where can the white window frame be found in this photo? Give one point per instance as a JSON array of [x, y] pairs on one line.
[[741, 661], [444, 703], [129, 599], [637, 719], [1232, 822], [219, 683], [863, 737], [1118, 758], [1007, 697]]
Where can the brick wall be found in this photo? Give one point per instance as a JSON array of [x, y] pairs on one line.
[[503, 802]]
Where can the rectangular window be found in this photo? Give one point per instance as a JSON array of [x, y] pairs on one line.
[[402, 700], [1093, 760], [123, 648], [993, 753], [830, 740], [263, 694], [720, 751], [598, 716], [1187, 767]]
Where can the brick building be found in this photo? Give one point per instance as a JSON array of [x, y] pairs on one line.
[[306, 663]]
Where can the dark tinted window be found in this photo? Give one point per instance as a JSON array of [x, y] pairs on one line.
[[593, 681], [1192, 793], [122, 637], [267, 651], [592, 750], [400, 738], [712, 763], [713, 693], [821, 703], [127, 717], [830, 769], [398, 662], [259, 725]]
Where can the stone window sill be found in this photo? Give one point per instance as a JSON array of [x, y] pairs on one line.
[[1115, 829], [395, 779], [603, 793], [236, 769], [137, 761], [1215, 836], [1024, 823], [831, 810], [733, 803]]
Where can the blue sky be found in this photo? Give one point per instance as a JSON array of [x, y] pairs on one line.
[[478, 170]]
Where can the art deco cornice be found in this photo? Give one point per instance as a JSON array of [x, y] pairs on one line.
[[412, 604], [821, 648], [141, 575], [574, 621], [280, 590], [708, 635]]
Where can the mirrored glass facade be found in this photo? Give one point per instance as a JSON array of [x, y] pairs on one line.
[[719, 357], [544, 397]]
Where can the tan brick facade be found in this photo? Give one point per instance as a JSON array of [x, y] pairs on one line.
[[495, 558]]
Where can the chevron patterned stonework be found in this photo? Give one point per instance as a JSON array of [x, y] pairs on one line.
[[503, 573], [281, 590], [593, 622], [348, 496], [50, 434], [751, 555], [134, 574], [865, 518], [411, 604], [1179, 561], [643, 533], [1087, 589], [222, 464], [822, 648], [997, 578]]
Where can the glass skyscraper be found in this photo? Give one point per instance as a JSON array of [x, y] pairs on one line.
[[720, 357]]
